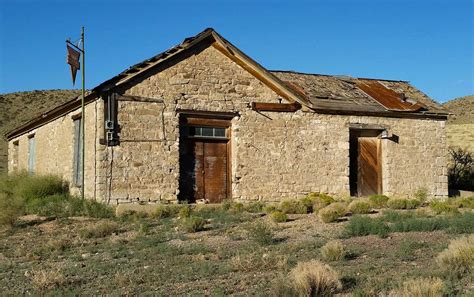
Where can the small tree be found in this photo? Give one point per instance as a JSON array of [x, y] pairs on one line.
[[461, 170]]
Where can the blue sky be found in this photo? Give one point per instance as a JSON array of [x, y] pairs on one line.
[[427, 42]]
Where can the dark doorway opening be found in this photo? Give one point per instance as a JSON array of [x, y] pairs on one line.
[[365, 162], [204, 160]]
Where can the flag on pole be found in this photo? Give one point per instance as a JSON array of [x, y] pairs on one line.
[[73, 60]]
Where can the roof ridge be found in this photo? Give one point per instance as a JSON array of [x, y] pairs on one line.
[[337, 75]]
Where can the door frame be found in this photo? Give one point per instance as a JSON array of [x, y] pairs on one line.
[[354, 135], [209, 119]]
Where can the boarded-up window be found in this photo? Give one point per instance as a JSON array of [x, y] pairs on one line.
[[16, 147], [77, 160], [31, 154]]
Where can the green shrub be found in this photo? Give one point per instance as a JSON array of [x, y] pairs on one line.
[[166, 211], [378, 201], [102, 229], [333, 251], [39, 186], [359, 207], [10, 208], [462, 223], [443, 206], [260, 233], [292, 206], [463, 202], [269, 208], [185, 211], [255, 206], [332, 212], [458, 258], [237, 207], [421, 194], [193, 223], [93, 209], [320, 200], [363, 225], [397, 203], [413, 203], [278, 216]]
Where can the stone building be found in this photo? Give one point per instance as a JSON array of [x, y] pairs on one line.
[[203, 120]]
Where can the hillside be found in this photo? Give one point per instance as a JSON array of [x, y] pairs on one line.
[[460, 128], [18, 108], [463, 109]]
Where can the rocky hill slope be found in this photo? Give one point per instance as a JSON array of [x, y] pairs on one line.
[[17, 108]]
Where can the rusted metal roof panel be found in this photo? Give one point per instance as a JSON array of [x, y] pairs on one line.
[[389, 99]]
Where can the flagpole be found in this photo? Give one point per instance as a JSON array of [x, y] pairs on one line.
[[83, 114]]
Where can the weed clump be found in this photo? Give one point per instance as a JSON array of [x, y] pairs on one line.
[[255, 206], [403, 203], [332, 212], [378, 201], [443, 206], [421, 194], [100, 230], [362, 226], [166, 211], [185, 211], [292, 206], [420, 287], [458, 258], [193, 223], [314, 278], [260, 233], [317, 201], [333, 251], [278, 216], [359, 207]]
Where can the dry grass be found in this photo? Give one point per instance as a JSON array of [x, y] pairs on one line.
[[332, 212], [421, 287], [360, 206], [103, 229], [458, 258], [45, 279], [257, 261], [333, 251], [314, 278]]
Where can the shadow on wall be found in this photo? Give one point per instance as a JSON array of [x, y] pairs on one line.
[[460, 171]]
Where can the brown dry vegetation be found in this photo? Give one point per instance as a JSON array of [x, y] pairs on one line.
[[140, 255], [18, 108]]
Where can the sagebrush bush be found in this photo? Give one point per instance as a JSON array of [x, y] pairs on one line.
[[103, 229], [443, 206], [421, 194], [39, 186], [10, 208], [166, 211], [185, 211], [397, 203], [269, 208], [314, 278], [278, 216], [321, 200], [260, 233], [420, 287], [255, 206], [378, 201], [293, 206], [463, 202], [458, 258], [332, 212], [333, 251], [359, 206], [193, 223]]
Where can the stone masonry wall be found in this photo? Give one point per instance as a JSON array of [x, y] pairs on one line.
[[273, 155], [54, 148]]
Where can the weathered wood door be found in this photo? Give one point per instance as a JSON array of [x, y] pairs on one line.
[[204, 164], [369, 169]]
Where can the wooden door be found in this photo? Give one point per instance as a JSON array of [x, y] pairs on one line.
[[204, 168], [369, 173]]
